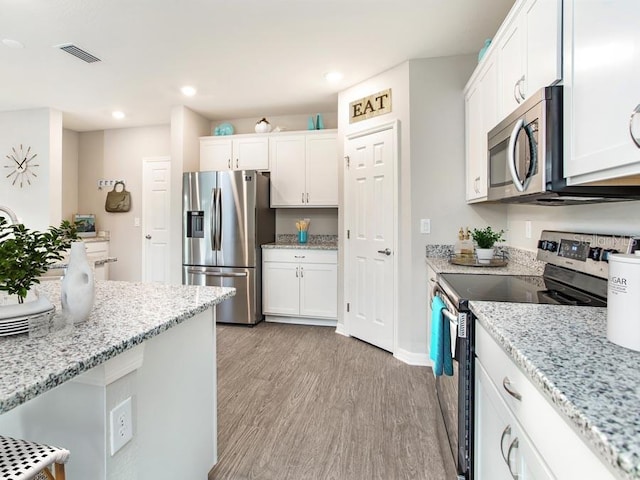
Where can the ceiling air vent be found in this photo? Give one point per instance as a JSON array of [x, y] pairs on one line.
[[78, 52]]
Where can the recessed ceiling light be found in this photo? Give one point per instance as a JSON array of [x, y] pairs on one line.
[[118, 115], [333, 77], [188, 90], [8, 42]]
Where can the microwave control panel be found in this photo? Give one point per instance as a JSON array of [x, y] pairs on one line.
[[586, 252]]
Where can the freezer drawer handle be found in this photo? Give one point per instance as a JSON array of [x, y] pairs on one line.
[[217, 274]]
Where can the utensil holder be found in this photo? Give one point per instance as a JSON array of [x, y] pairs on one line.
[[302, 236]]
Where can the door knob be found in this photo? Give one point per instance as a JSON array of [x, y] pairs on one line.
[[386, 251], [148, 237]]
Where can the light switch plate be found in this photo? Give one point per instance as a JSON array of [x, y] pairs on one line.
[[425, 225]]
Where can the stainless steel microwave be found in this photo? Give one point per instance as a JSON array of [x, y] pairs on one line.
[[525, 158]]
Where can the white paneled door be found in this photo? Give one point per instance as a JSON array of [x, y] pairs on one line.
[[156, 204], [370, 198]]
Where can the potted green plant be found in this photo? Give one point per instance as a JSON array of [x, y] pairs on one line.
[[26, 254], [485, 239]]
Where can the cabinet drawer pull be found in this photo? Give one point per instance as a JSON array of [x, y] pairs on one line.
[[512, 447], [636, 140], [506, 383], [505, 432], [299, 256]]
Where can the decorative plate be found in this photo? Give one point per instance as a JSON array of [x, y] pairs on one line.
[[497, 261]]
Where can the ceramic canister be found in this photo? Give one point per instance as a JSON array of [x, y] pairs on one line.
[[623, 301]]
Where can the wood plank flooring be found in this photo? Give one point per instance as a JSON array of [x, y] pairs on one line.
[[300, 402]]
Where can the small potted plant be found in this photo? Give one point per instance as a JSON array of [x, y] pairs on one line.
[[26, 254], [485, 239]]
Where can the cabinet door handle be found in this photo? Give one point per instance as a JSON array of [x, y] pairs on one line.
[[633, 114], [301, 272], [475, 184], [520, 84], [505, 432], [297, 272], [307, 197], [229, 164], [506, 384], [512, 447], [515, 95], [237, 164], [302, 197]]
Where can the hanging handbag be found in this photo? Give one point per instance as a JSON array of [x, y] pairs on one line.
[[118, 201]]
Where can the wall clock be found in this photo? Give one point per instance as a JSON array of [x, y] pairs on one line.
[[21, 165]]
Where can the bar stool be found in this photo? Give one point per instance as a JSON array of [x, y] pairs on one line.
[[23, 460]]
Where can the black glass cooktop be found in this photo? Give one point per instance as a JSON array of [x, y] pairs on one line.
[[517, 288]]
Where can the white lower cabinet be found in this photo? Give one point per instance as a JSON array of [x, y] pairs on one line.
[[98, 251], [503, 450], [300, 286], [518, 433]]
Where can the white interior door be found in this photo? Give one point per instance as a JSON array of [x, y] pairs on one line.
[[156, 204], [370, 196]]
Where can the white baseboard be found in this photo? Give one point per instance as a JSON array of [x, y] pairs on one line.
[[420, 359], [340, 330], [320, 322]]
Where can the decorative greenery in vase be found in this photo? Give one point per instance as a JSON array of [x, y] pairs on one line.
[[486, 238], [26, 254]]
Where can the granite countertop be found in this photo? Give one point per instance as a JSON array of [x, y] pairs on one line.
[[594, 383], [316, 242], [124, 315]]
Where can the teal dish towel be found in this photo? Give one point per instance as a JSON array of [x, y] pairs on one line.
[[440, 351]]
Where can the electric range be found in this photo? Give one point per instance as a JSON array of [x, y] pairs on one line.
[[576, 273]]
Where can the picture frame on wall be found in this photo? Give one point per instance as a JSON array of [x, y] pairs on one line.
[[86, 224]]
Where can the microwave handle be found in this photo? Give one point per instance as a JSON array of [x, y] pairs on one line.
[[521, 186]]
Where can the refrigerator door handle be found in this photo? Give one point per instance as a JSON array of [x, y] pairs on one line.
[[216, 274], [212, 224], [218, 218]]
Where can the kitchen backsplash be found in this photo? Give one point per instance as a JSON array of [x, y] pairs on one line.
[[517, 255]]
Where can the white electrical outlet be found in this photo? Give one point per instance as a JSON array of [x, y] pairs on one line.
[[121, 419], [425, 225], [527, 229]]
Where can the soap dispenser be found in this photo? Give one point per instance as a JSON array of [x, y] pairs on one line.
[[467, 247], [457, 248]]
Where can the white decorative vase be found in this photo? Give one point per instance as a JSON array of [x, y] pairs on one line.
[[263, 126], [78, 285], [484, 255]]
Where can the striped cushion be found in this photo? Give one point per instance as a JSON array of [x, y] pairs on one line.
[[21, 460]]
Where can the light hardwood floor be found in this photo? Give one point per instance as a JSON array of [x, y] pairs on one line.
[[299, 402]]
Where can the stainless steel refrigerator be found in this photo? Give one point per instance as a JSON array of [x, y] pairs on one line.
[[226, 218]]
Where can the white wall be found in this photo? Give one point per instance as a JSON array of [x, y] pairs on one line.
[[186, 129], [70, 145], [620, 218], [38, 205], [117, 154], [324, 221], [285, 122]]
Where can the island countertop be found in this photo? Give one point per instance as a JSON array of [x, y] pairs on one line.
[[592, 382], [124, 315]]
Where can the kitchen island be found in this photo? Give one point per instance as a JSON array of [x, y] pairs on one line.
[[592, 383], [153, 345]]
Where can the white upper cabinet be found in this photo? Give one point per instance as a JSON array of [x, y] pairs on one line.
[[481, 114], [602, 66], [237, 152], [304, 170], [529, 49]]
